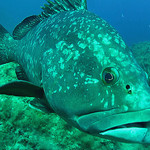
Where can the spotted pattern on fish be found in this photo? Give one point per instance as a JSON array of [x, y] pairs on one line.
[[74, 51]]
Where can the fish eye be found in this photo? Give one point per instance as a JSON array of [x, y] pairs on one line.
[[110, 76]]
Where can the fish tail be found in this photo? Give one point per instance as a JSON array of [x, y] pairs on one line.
[[5, 45]]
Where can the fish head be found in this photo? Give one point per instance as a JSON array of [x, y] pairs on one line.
[[92, 81]]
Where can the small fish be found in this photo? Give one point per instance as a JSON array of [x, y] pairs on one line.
[[78, 66]]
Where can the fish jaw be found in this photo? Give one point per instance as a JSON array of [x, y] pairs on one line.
[[133, 135], [128, 127]]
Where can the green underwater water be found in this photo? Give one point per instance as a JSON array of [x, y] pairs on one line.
[[141, 52], [23, 128]]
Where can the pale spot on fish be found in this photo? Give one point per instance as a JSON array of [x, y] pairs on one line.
[[82, 45], [54, 91], [54, 74], [61, 60], [75, 85], [82, 75], [99, 55], [60, 88], [113, 52], [80, 35], [119, 59], [102, 100], [117, 40], [91, 81], [106, 41], [107, 92], [106, 61], [123, 44], [99, 36], [77, 54], [61, 76], [113, 99], [60, 45], [74, 23], [62, 66], [106, 105]]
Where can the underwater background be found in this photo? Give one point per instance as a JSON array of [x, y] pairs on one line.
[[130, 17], [22, 128]]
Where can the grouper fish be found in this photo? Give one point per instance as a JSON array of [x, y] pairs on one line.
[[76, 65]]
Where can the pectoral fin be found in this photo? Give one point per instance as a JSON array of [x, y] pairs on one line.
[[41, 105], [22, 88], [21, 75]]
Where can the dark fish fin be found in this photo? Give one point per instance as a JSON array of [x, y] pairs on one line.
[[25, 26], [22, 88], [3, 57], [62, 5], [41, 105], [21, 75], [5, 39]]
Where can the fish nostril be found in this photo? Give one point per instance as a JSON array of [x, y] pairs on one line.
[[129, 91], [128, 88]]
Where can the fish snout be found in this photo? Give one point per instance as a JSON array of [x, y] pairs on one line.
[[137, 98], [126, 127]]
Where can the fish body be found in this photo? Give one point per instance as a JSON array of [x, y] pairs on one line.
[[83, 71]]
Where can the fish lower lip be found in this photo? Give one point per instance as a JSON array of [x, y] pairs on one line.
[[130, 134], [138, 132]]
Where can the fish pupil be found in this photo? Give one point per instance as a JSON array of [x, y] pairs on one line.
[[109, 77], [127, 87]]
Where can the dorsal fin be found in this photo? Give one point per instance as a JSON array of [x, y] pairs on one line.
[[50, 9], [25, 26], [62, 5]]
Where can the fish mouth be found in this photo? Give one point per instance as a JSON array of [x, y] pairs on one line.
[[125, 127], [137, 132], [130, 125]]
